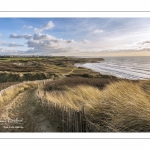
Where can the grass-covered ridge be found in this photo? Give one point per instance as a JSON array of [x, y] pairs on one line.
[[36, 68], [118, 106]]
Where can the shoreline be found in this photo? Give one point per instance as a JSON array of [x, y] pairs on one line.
[[124, 68]]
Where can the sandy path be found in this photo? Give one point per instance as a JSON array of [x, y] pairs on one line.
[[23, 114]]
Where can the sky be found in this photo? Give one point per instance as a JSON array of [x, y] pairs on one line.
[[75, 36]]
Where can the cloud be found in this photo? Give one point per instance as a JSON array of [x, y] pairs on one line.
[[43, 52], [50, 38], [70, 41], [10, 44], [5, 51], [129, 50], [1, 43], [48, 43], [0, 34], [47, 37], [14, 45], [47, 26], [25, 36], [145, 42], [85, 41], [97, 31], [40, 36], [27, 27], [45, 47], [15, 36]]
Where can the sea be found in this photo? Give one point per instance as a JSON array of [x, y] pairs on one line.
[[134, 68]]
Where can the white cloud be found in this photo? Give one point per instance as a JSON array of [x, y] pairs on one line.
[[15, 36], [0, 34], [46, 43], [42, 45], [27, 27], [1, 43], [98, 31], [50, 38], [47, 37], [3, 50], [6, 51], [26, 36], [14, 45], [70, 41], [85, 41], [40, 36], [47, 26], [10, 44], [145, 42], [45, 47]]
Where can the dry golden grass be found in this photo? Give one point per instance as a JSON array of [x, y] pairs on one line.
[[121, 106], [9, 93], [125, 107], [75, 97], [7, 84]]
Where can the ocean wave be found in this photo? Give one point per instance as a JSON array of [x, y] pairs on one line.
[[128, 67]]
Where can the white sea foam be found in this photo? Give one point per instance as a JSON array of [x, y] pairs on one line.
[[123, 67]]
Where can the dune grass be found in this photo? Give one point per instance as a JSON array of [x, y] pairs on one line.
[[7, 84], [122, 106], [74, 81], [7, 95]]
